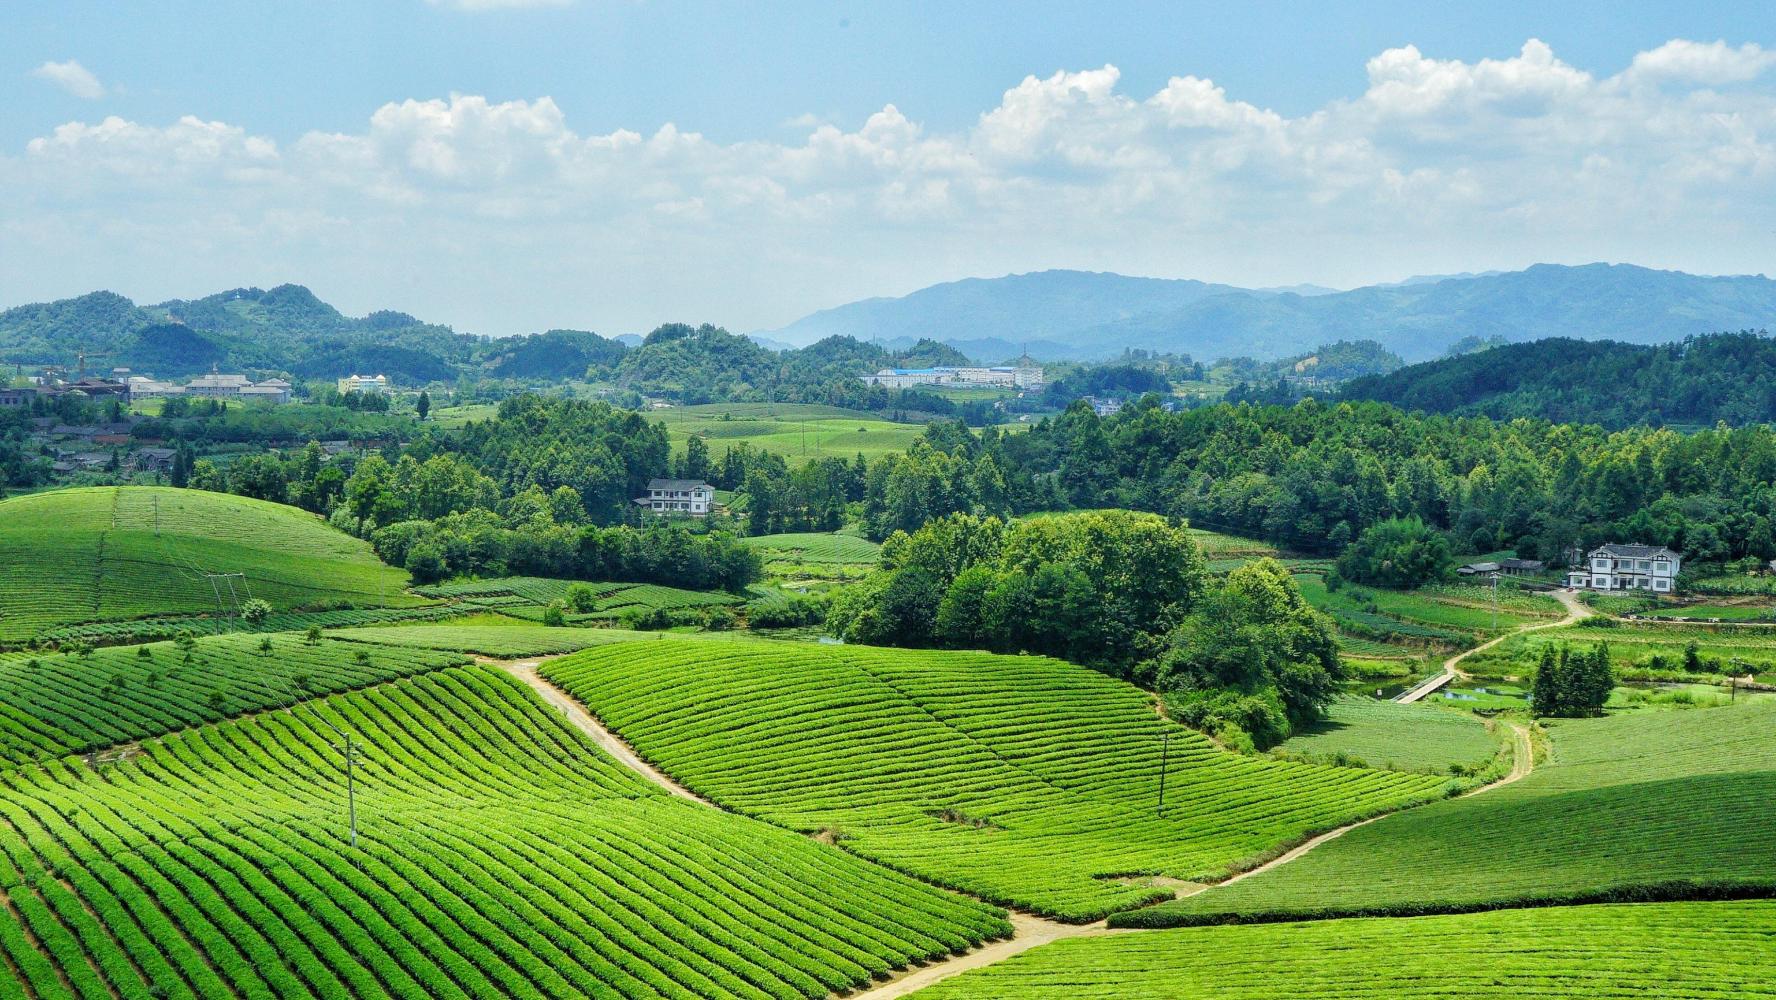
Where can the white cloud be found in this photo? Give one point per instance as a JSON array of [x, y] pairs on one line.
[[71, 77], [502, 216]]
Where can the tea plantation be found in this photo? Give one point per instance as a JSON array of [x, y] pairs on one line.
[[58, 704], [1023, 780], [500, 855], [111, 553], [1683, 951], [1654, 804]]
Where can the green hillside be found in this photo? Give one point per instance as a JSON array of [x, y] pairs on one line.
[[1395, 736], [1021, 779], [1660, 804], [1680, 951], [107, 553], [500, 854]]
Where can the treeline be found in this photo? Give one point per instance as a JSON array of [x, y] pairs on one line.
[[483, 543], [1725, 377], [1245, 657], [1313, 476]]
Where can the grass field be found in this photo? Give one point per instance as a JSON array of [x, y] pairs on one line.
[[1685, 951], [797, 431], [501, 855], [1645, 804], [109, 553], [498, 641], [525, 597], [1397, 737], [55, 705], [1020, 779]]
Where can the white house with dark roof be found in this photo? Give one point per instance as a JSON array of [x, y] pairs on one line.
[[1628, 567], [678, 496]]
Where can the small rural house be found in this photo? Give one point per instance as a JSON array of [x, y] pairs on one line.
[[1628, 567], [678, 496]]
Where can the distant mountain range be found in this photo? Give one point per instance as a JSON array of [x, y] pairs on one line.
[[1086, 315]]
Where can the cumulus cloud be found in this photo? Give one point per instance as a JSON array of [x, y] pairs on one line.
[[71, 77], [1436, 165]]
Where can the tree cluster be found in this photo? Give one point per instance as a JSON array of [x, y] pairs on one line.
[[1572, 683]]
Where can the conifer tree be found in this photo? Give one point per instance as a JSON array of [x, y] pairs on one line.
[[1544, 695]]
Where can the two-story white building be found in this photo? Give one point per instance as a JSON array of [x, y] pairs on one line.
[[678, 496], [1628, 567]]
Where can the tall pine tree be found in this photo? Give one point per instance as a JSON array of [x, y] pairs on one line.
[[1544, 693]]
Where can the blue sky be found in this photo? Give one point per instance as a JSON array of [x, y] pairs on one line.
[[611, 165]]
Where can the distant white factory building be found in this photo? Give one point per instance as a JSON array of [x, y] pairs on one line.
[[272, 390], [1005, 376], [364, 383], [216, 385]]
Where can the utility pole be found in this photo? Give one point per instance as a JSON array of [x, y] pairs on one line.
[[350, 749], [1165, 751]]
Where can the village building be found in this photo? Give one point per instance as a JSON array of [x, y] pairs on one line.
[[364, 383], [692, 497], [1628, 567], [143, 387], [17, 397], [154, 459]]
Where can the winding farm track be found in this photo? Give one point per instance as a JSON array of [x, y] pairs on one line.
[[1451, 669], [1028, 931]]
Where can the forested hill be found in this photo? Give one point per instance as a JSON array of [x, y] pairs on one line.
[[1727, 377], [1075, 314]]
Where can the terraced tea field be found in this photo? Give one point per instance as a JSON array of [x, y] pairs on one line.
[[110, 553], [1400, 737], [1682, 951], [816, 547], [154, 629], [1673, 804], [1020, 779], [501, 854], [59, 704], [1452, 614]]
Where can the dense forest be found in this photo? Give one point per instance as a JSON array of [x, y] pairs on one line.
[[1726, 377]]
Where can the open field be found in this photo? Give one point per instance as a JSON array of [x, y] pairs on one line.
[[59, 704], [497, 641], [1020, 779], [1650, 804], [1399, 737], [525, 597], [110, 553], [1685, 951], [501, 854], [797, 431]]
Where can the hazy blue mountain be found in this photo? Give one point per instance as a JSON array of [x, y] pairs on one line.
[[1046, 305], [1100, 315]]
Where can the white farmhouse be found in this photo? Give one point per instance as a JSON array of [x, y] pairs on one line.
[[1628, 567], [678, 496]]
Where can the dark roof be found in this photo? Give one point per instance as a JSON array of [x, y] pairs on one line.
[[677, 484], [1617, 551], [1481, 567], [1528, 564]]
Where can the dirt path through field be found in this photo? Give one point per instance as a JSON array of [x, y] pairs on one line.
[[609, 742], [1452, 669], [1027, 932]]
